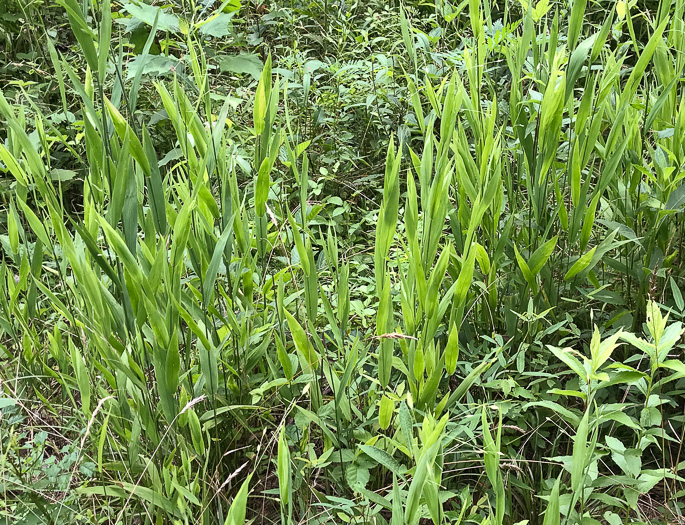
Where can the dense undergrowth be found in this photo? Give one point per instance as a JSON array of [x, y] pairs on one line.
[[331, 262]]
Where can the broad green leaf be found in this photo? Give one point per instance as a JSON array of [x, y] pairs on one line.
[[117, 243], [580, 265], [406, 425], [553, 512], [181, 232], [571, 361], [105, 38], [465, 278], [411, 511], [541, 255], [123, 129], [299, 245], [236, 513], [284, 475], [578, 461], [357, 476], [468, 381], [148, 14], [154, 65], [637, 73], [125, 489], [35, 223], [82, 379], [196, 432], [157, 197], [262, 187], [83, 33], [575, 175], [575, 63], [525, 269], [302, 341], [213, 268], [385, 411], [262, 98], [397, 513], [576, 22], [452, 350], [218, 25], [604, 350], [675, 365], [13, 166], [241, 63], [383, 458], [677, 295]]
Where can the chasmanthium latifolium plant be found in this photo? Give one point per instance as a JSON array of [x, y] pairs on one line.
[[340, 263]]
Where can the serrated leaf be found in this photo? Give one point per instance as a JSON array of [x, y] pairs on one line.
[[151, 65], [383, 458], [147, 13], [244, 63], [356, 475], [217, 26], [7, 402]]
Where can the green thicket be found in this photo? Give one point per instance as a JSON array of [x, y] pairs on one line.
[[331, 262]]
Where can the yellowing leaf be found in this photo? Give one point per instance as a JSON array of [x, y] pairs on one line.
[[387, 407]]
